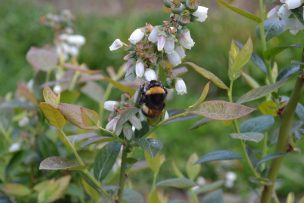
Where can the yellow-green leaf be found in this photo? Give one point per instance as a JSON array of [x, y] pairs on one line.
[[250, 81], [208, 75], [155, 162], [193, 169], [15, 189], [120, 86], [268, 108], [53, 115], [50, 97], [203, 95]]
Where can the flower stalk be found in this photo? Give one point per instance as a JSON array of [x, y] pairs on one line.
[[285, 130], [123, 175]]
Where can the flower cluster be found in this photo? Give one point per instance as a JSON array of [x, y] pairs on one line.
[[290, 14], [162, 46]]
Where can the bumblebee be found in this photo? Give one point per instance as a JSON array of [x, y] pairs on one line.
[[152, 97]]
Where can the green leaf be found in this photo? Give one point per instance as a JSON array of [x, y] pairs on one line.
[[81, 117], [272, 52], [273, 27], [300, 111], [155, 162], [14, 189], [124, 117], [154, 197], [53, 115], [222, 110], [208, 75], [239, 58], [199, 123], [105, 160], [214, 197], [258, 124], [89, 189], [176, 171], [131, 196], [287, 72], [248, 136], [152, 146], [208, 187], [127, 131], [219, 155], [268, 108], [270, 157], [180, 183], [50, 97], [246, 14], [250, 81], [192, 169], [260, 92], [69, 96], [291, 195], [135, 122], [58, 163], [203, 96]]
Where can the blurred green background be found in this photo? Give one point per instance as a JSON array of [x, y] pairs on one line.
[[20, 29]]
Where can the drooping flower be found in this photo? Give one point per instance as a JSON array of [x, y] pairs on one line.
[[273, 13], [150, 74], [111, 126], [180, 86], [153, 35], [181, 52], [185, 39], [169, 45], [161, 40], [230, 179], [57, 89], [110, 105], [201, 13], [292, 4], [117, 44], [174, 58], [284, 12], [136, 36], [139, 68]]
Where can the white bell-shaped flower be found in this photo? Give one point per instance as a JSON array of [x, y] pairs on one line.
[[185, 40], [273, 13], [161, 40], [181, 52], [284, 12], [292, 4], [180, 86], [201, 13], [111, 126], [174, 58], [150, 74], [110, 105], [136, 36], [169, 45], [77, 40], [139, 68], [117, 44], [153, 35]]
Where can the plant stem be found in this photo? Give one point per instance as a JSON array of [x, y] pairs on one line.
[[237, 130], [285, 129], [123, 168]]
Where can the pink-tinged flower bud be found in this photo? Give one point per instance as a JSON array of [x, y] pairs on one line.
[[136, 36], [273, 12], [169, 45], [161, 40], [111, 126], [185, 40], [292, 4], [174, 58], [150, 74], [201, 13], [139, 68], [181, 52], [153, 35], [77, 40], [110, 105], [117, 44], [180, 86]]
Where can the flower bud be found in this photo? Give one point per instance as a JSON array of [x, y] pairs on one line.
[[110, 105], [117, 44], [201, 13], [180, 86], [139, 68], [77, 40], [57, 89], [273, 12], [161, 40], [174, 58], [136, 36], [292, 4], [185, 40], [169, 45], [153, 35], [150, 75], [284, 12]]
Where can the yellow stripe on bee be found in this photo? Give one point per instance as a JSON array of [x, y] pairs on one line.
[[155, 90]]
